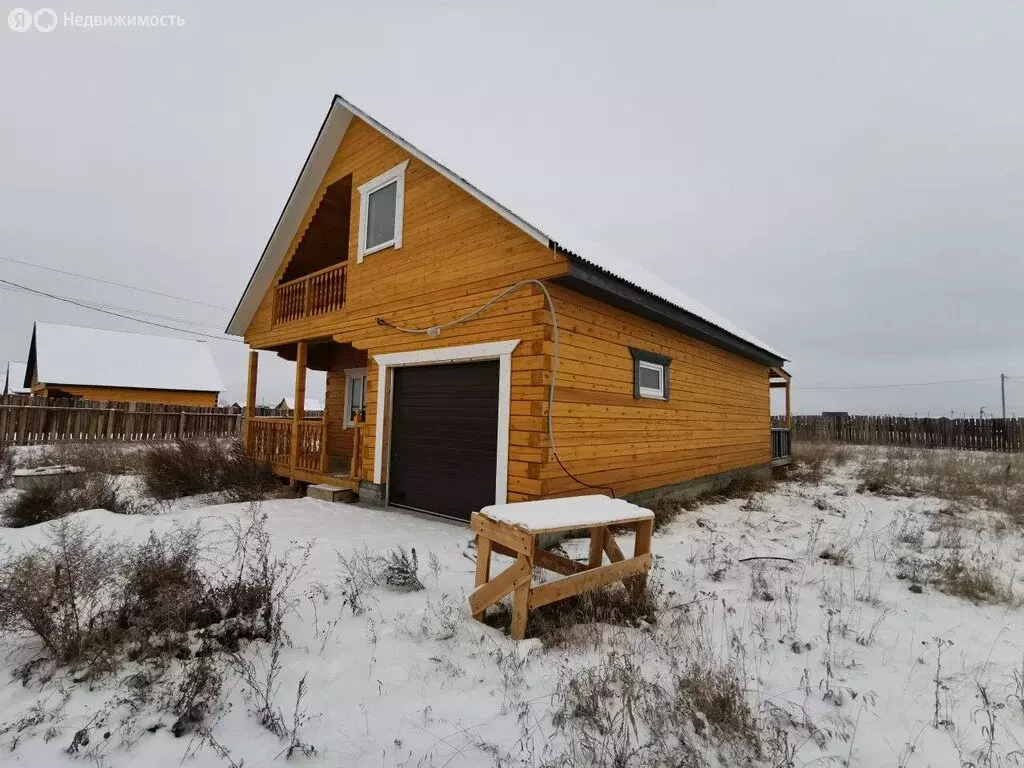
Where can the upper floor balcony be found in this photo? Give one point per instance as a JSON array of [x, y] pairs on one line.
[[310, 295]]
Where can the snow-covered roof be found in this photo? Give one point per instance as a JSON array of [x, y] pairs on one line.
[[516, 209], [72, 354], [310, 404], [14, 379]]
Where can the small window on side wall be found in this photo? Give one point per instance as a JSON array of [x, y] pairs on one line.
[[355, 395], [381, 201], [650, 374]]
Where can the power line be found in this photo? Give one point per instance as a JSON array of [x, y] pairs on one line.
[[112, 282], [131, 310], [76, 303], [893, 386]]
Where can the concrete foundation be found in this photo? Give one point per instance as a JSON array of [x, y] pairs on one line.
[[691, 489], [371, 493]]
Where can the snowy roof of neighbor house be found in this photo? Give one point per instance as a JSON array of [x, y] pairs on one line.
[[517, 209], [310, 404], [14, 379], [72, 354]]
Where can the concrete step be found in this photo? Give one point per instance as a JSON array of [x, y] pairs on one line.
[[326, 492]]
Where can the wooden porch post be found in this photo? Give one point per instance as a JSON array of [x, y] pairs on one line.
[[250, 397], [300, 406], [789, 415]]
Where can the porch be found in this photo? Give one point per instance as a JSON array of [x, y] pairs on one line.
[[323, 449], [782, 450]]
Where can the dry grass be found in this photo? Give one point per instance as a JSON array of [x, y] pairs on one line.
[[670, 506], [73, 493], [190, 467], [6, 464], [992, 480], [570, 622], [812, 461]]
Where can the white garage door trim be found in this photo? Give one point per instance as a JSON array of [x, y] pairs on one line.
[[493, 350]]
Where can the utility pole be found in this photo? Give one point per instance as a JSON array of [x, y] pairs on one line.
[[1002, 390]]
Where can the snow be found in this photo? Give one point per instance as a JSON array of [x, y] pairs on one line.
[[15, 381], [415, 681], [71, 354], [567, 513]]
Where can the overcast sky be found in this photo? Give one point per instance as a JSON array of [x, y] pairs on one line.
[[844, 180]]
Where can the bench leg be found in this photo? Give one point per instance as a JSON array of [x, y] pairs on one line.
[[483, 560], [597, 535], [641, 546], [520, 611]]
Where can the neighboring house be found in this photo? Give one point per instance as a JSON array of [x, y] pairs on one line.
[[378, 240], [14, 380], [95, 364], [311, 405]]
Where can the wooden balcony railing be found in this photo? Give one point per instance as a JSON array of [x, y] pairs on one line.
[[780, 444], [310, 295]]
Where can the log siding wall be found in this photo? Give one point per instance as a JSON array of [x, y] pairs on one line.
[[127, 394], [456, 254]]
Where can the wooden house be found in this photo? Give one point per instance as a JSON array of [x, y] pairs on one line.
[[443, 317], [95, 364], [310, 405], [14, 380]]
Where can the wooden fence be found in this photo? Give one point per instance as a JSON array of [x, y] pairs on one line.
[[28, 420], [959, 434]]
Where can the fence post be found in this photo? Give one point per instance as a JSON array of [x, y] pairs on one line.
[[181, 424]]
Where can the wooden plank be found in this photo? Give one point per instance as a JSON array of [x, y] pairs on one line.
[[511, 578], [516, 539], [597, 535], [587, 580], [520, 609], [551, 561], [483, 561], [611, 546]]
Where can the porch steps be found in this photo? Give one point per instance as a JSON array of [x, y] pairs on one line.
[[325, 492]]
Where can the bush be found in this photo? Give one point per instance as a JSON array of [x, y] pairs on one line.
[[812, 460], [57, 499], [6, 464], [189, 467], [86, 598], [60, 593]]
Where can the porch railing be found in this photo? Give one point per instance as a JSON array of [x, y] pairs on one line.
[[313, 294], [780, 443], [270, 440]]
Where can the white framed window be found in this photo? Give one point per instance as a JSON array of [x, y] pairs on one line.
[[650, 374], [355, 394], [381, 202], [651, 379]]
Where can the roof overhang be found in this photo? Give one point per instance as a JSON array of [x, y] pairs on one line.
[[328, 139], [593, 281], [585, 276]]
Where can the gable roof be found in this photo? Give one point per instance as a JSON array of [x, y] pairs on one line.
[[72, 354], [626, 274], [14, 379]]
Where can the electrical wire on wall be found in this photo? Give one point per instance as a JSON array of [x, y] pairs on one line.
[[435, 330]]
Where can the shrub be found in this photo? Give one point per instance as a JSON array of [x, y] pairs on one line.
[[189, 467], [60, 593], [812, 460], [84, 597], [57, 499], [6, 464]]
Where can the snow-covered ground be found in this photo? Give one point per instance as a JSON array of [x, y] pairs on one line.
[[838, 653]]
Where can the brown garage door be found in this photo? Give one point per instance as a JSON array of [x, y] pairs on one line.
[[444, 437]]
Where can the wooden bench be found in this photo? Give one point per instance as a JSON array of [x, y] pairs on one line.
[[512, 530]]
